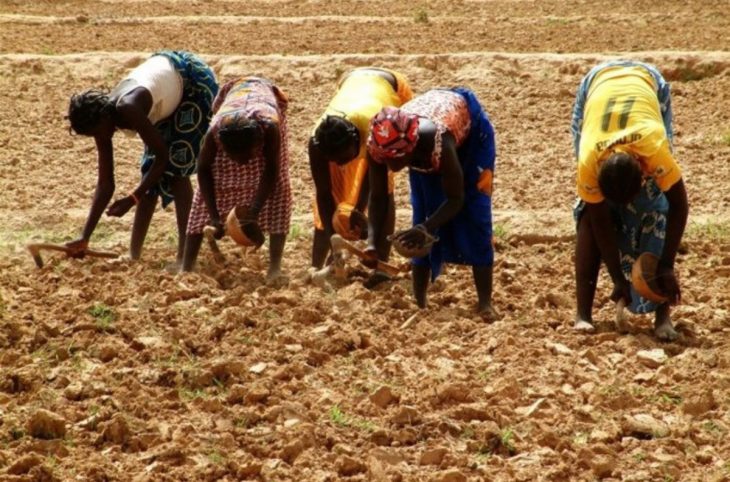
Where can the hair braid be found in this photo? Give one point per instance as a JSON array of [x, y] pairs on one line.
[[86, 110], [334, 133]]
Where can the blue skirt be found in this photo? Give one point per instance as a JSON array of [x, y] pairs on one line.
[[467, 238], [641, 226], [184, 129]]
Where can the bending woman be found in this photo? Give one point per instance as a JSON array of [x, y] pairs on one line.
[[245, 164], [445, 139], [337, 157], [167, 102]]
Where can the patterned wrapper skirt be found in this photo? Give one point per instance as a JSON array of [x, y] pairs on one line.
[[183, 131]]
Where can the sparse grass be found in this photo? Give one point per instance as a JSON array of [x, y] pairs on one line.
[[639, 457], [725, 138], [421, 16], [499, 231], [271, 315], [709, 231], [220, 386], [245, 340], [638, 391], [103, 316], [712, 427], [339, 418], [484, 375], [189, 394], [670, 398], [216, 458], [580, 438], [242, 422], [467, 433], [558, 21], [77, 362]]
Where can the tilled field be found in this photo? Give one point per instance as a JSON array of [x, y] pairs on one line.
[[215, 376]]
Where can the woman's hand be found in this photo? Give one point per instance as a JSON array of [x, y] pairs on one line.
[[120, 207], [77, 248]]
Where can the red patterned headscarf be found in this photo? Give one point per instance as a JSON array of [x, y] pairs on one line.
[[393, 134]]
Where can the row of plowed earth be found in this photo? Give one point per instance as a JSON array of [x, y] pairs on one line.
[[697, 11], [83, 28]]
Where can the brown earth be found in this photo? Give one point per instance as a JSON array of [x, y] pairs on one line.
[[214, 376]]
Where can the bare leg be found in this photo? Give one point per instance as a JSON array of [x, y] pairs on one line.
[[421, 278], [183, 192], [320, 248], [587, 264], [192, 248], [382, 245], [483, 283], [142, 217], [276, 250], [663, 328]]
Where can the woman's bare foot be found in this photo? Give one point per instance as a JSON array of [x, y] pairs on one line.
[[276, 279], [376, 279], [488, 313], [663, 329], [583, 326]]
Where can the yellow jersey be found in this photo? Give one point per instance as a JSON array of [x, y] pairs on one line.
[[622, 114], [359, 97]]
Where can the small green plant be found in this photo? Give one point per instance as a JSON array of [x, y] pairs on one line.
[[484, 375], [216, 458], [709, 231], [467, 433], [671, 398], [499, 231], [580, 438], [47, 51], [557, 21], [365, 424], [712, 427], [296, 231], [639, 457], [271, 315], [338, 417], [17, 433], [726, 138], [189, 395], [220, 386], [421, 16], [103, 316], [506, 438]]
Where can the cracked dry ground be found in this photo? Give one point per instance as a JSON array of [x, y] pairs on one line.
[[111, 370]]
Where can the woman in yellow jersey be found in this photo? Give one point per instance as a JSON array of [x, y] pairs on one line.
[[337, 157], [632, 196]]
